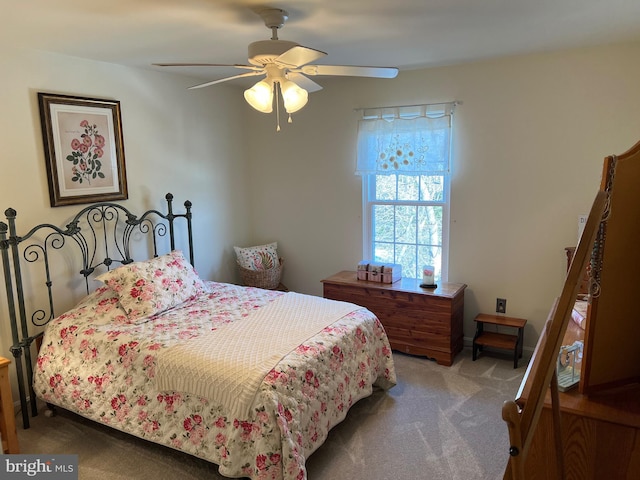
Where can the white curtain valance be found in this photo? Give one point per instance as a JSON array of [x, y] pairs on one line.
[[410, 140]]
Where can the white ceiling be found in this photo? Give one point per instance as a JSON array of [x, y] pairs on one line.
[[401, 33]]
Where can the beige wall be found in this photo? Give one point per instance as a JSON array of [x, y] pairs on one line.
[[530, 138], [189, 143]]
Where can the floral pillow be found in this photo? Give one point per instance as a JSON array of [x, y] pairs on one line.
[[261, 257], [101, 305], [150, 287]]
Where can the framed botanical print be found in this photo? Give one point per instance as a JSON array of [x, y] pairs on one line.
[[83, 149]]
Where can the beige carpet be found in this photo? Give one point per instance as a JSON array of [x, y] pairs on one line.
[[438, 423]]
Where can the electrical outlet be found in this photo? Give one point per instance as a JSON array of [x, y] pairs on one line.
[[501, 305]]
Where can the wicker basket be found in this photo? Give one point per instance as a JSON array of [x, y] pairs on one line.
[[268, 279]]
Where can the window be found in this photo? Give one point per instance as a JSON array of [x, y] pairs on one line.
[[403, 157]]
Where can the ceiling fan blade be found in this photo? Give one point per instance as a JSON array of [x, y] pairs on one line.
[[350, 71], [226, 79], [236, 65], [303, 82], [299, 55]]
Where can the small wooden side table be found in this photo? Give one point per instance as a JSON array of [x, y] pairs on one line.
[[499, 340], [7, 414]]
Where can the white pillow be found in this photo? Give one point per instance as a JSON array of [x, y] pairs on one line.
[[260, 257]]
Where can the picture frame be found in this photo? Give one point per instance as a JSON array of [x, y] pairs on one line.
[[83, 149]]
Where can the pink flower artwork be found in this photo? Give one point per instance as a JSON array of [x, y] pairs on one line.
[[86, 153]]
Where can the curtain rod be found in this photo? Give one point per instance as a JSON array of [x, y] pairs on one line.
[[454, 103]]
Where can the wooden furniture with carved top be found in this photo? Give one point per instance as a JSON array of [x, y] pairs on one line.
[[600, 437], [418, 321], [7, 414], [593, 431]]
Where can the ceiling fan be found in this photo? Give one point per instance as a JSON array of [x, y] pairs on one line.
[[286, 66]]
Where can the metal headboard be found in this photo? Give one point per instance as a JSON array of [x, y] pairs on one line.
[[103, 233]]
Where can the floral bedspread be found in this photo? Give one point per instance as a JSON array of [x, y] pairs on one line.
[[94, 363]]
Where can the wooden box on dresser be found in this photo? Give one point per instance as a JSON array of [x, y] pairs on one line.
[[419, 321]]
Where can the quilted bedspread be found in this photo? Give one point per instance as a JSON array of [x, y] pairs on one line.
[[227, 365], [94, 363]]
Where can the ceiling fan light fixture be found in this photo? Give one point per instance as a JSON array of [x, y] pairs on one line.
[[293, 97], [260, 96], [285, 64]]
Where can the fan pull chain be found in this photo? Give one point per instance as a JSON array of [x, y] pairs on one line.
[[290, 121], [276, 87]]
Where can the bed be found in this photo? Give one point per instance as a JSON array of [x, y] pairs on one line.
[[187, 365]]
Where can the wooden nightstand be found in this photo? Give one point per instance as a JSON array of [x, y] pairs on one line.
[[7, 414], [499, 340]]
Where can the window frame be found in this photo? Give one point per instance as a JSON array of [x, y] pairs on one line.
[[368, 203]]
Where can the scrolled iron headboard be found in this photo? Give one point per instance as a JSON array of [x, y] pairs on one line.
[[103, 233]]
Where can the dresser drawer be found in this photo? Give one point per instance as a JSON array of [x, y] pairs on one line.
[[417, 321]]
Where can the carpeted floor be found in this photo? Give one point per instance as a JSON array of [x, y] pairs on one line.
[[441, 423]]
